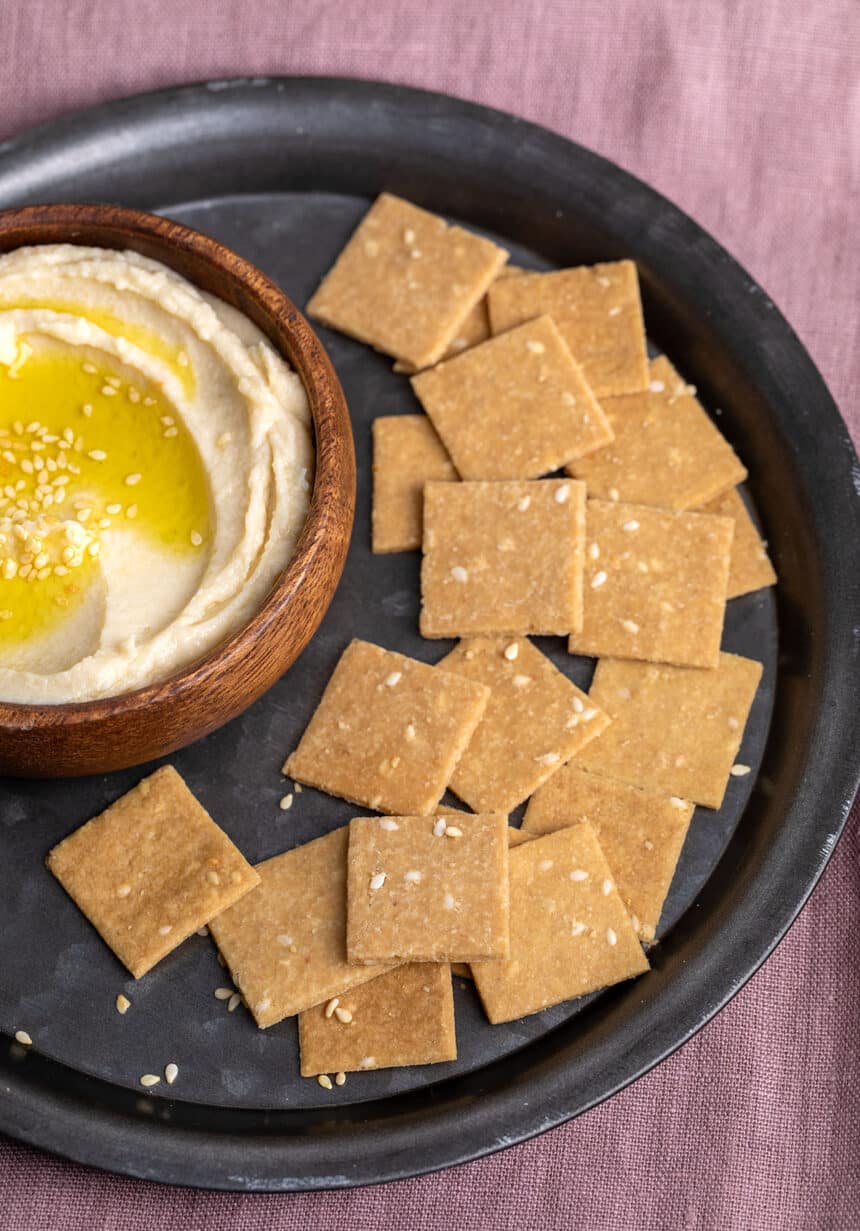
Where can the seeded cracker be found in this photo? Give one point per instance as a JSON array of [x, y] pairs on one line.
[[676, 730], [535, 721], [285, 943], [407, 453], [641, 834], [515, 407], [570, 933], [400, 1018], [598, 312], [666, 450], [388, 731], [750, 567], [406, 281], [150, 870], [654, 585], [426, 890], [502, 558]]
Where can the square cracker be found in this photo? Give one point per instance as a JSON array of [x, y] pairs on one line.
[[407, 453], [655, 584], [516, 837], [666, 450], [285, 942], [515, 407], [641, 834], [403, 1017], [676, 730], [570, 932], [416, 892], [406, 281], [502, 558], [598, 312], [151, 869], [388, 731], [535, 721], [750, 567]]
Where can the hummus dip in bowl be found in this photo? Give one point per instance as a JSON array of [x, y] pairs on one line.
[[176, 487]]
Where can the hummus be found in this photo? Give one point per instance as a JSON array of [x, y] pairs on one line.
[[155, 468]]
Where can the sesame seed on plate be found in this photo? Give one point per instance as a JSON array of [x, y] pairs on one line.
[[339, 1079], [325, 1081], [22, 1037], [171, 1072], [150, 1079], [285, 802], [223, 993], [234, 1002], [740, 771]]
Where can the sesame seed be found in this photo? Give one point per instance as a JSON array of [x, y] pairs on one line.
[[577, 928], [536, 348], [630, 626], [611, 937], [656, 386], [453, 832], [165, 929], [409, 237], [544, 865], [324, 1081], [448, 901], [415, 254], [285, 802], [331, 1006], [131, 480], [613, 493], [676, 802], [113, 509], [131, 511], [579, 874], [607, 887], [523, 503], [89, 368], [108, 391], [394, 678], [733, 724], [213, 877], [22, 1037], [548, 758], [740, 771], [648, 844], [631, 525], [588, 714], [511, 651], [285, 940], [568, 398], [577, 704], [234, 1002], [150, 1079], [387, 823], [204, 931], [594, 551], [223, 993], [440, 827], [410, 732], [97, 455], [598, 580], [615, 311], [123, 891], [367, 1062], [123, 1004], [262, 1005], [343, 1015], [377, 881], [413, 877], [459, 573], [339, 1079], [196, 538], [561, 494], [171, 1072]]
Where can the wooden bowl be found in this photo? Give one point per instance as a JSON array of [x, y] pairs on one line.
[[51, 741]]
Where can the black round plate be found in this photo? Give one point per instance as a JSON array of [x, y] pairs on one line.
[[281, 170]]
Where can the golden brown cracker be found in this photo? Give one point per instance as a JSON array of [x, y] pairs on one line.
[[424, 889], [666, 450], [407, 453], [502, 558], [654, 586], [388, 731], [641, 834], [535, 721], [403, 1017], [150, 870], [285, 942], [599, 313], [405, 281], [570, 932], [750, 567], [675, 730], [515, 407]]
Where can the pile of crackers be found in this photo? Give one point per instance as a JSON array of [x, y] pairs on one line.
[[559, 483]]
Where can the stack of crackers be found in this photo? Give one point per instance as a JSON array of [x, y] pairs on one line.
[[559, 483]]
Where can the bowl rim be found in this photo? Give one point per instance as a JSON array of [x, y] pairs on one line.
[[334, 457]]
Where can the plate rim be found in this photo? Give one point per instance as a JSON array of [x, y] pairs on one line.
[[466, 1126]]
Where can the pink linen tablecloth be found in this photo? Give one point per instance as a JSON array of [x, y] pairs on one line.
[[747, 114]]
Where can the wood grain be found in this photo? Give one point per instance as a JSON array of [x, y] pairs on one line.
[[97, 736]]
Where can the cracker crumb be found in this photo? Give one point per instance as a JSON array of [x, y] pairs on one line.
[[123, 1004]]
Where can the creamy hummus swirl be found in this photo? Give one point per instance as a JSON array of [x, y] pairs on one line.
[[147, 608]]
